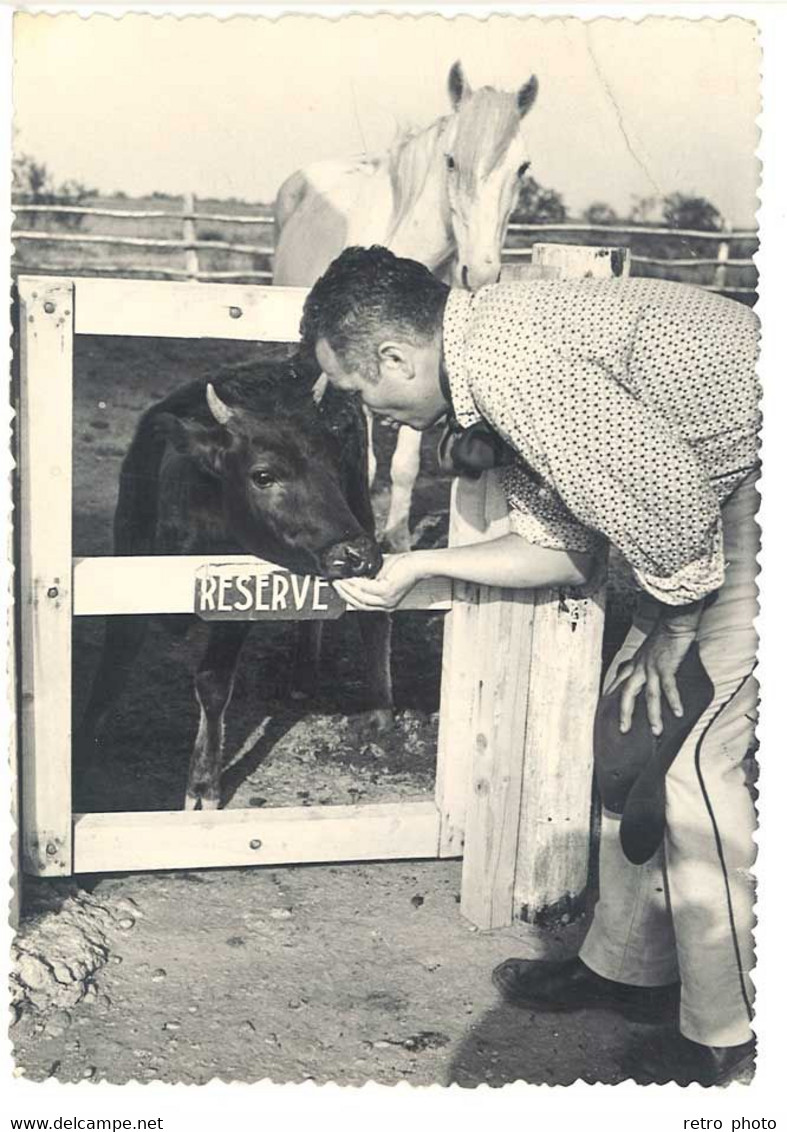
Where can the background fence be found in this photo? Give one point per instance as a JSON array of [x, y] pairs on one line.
[[170, 239]]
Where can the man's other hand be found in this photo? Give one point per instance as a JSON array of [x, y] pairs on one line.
[[653, 667]]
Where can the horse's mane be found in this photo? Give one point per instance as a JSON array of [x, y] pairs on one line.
[[409, 161]]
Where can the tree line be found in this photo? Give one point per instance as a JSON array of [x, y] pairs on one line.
[[33, 183], [540, 205]]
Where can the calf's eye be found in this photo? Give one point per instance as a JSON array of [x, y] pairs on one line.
[[262, 478]]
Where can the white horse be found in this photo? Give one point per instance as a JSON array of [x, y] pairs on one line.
[[442, 196]]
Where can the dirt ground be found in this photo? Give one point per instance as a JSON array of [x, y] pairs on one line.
[[346, 973]]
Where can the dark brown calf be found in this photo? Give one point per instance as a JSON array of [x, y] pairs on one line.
[[254, 462]]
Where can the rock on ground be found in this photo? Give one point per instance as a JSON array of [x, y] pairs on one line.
[[66, 937]]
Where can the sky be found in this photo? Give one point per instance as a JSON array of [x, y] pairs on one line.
[[229, 108]]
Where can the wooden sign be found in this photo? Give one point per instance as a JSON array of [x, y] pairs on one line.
[[228, 592]]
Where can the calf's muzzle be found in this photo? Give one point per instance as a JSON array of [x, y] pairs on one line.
[[353, 558]]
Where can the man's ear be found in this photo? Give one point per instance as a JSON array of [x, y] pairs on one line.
[[396, 359], [206, 445]]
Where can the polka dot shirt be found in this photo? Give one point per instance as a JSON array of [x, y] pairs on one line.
[[632, 406]]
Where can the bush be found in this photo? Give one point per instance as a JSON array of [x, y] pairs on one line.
[[600, 213], [678, 210], [538, 205], [32, 183], [681, 211]]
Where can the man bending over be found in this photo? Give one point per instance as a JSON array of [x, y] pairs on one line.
[[628, 409]]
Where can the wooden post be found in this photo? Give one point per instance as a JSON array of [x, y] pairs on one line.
[[723, 254], [576, 261], [554, 840], [473, 517], [190, 235], [535, 660], [46, 323], [15, 908]]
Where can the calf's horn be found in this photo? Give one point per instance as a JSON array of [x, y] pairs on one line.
[[319, 387], [221, 412]]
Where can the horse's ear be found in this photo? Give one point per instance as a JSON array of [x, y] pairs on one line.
[[458, 86], [526, 95]]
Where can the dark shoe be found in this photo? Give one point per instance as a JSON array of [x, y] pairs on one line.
[[685, 1063], [570, 985]]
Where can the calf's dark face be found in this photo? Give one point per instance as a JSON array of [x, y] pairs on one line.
[[283, 497], [282, 493]]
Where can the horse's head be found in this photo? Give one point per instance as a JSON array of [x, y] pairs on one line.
[[486, 161]]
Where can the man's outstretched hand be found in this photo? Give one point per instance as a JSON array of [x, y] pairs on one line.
[[384, 592]]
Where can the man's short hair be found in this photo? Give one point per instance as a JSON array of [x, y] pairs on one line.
[[366, 296]]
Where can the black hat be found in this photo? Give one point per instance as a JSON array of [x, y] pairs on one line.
[[631, 767]]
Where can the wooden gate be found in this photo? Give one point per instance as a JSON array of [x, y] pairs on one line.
[[505, 655]]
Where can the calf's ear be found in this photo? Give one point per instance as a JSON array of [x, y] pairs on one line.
[[205, 445]]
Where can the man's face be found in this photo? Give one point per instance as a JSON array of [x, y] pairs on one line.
[[407, 389]]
